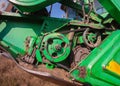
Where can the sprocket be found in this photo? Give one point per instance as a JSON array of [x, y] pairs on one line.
[[79, 53]]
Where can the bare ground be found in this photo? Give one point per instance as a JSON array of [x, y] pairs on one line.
[[11, 75]]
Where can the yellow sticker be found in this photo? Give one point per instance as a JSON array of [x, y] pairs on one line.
[[114, 67]]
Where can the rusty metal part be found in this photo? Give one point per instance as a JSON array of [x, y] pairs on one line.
[[32, 58], [90, 43], [79, 53], [71, 35], [29, 58], [76, 30], [27, 43], [82, 72], [86, 16]]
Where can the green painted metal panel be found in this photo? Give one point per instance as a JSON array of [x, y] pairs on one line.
[[13, 34], [31, 5], [96, 63], [113, 7]]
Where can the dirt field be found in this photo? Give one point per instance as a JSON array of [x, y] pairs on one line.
[[11, 75]]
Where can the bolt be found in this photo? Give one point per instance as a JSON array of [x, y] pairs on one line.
[[58, 47]]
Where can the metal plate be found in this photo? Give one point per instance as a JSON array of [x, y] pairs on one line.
[[113, 7], [31, 5]]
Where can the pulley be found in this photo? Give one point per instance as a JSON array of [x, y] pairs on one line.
[[55, 47], [91, 38]]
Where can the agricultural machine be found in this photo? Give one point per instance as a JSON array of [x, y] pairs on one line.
[[68, 52]]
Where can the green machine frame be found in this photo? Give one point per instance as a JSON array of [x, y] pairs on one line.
[[52, 41]]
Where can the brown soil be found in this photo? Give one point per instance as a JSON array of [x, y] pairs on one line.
[[11, 75]]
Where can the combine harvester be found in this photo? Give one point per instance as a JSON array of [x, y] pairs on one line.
[[64, 51]]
